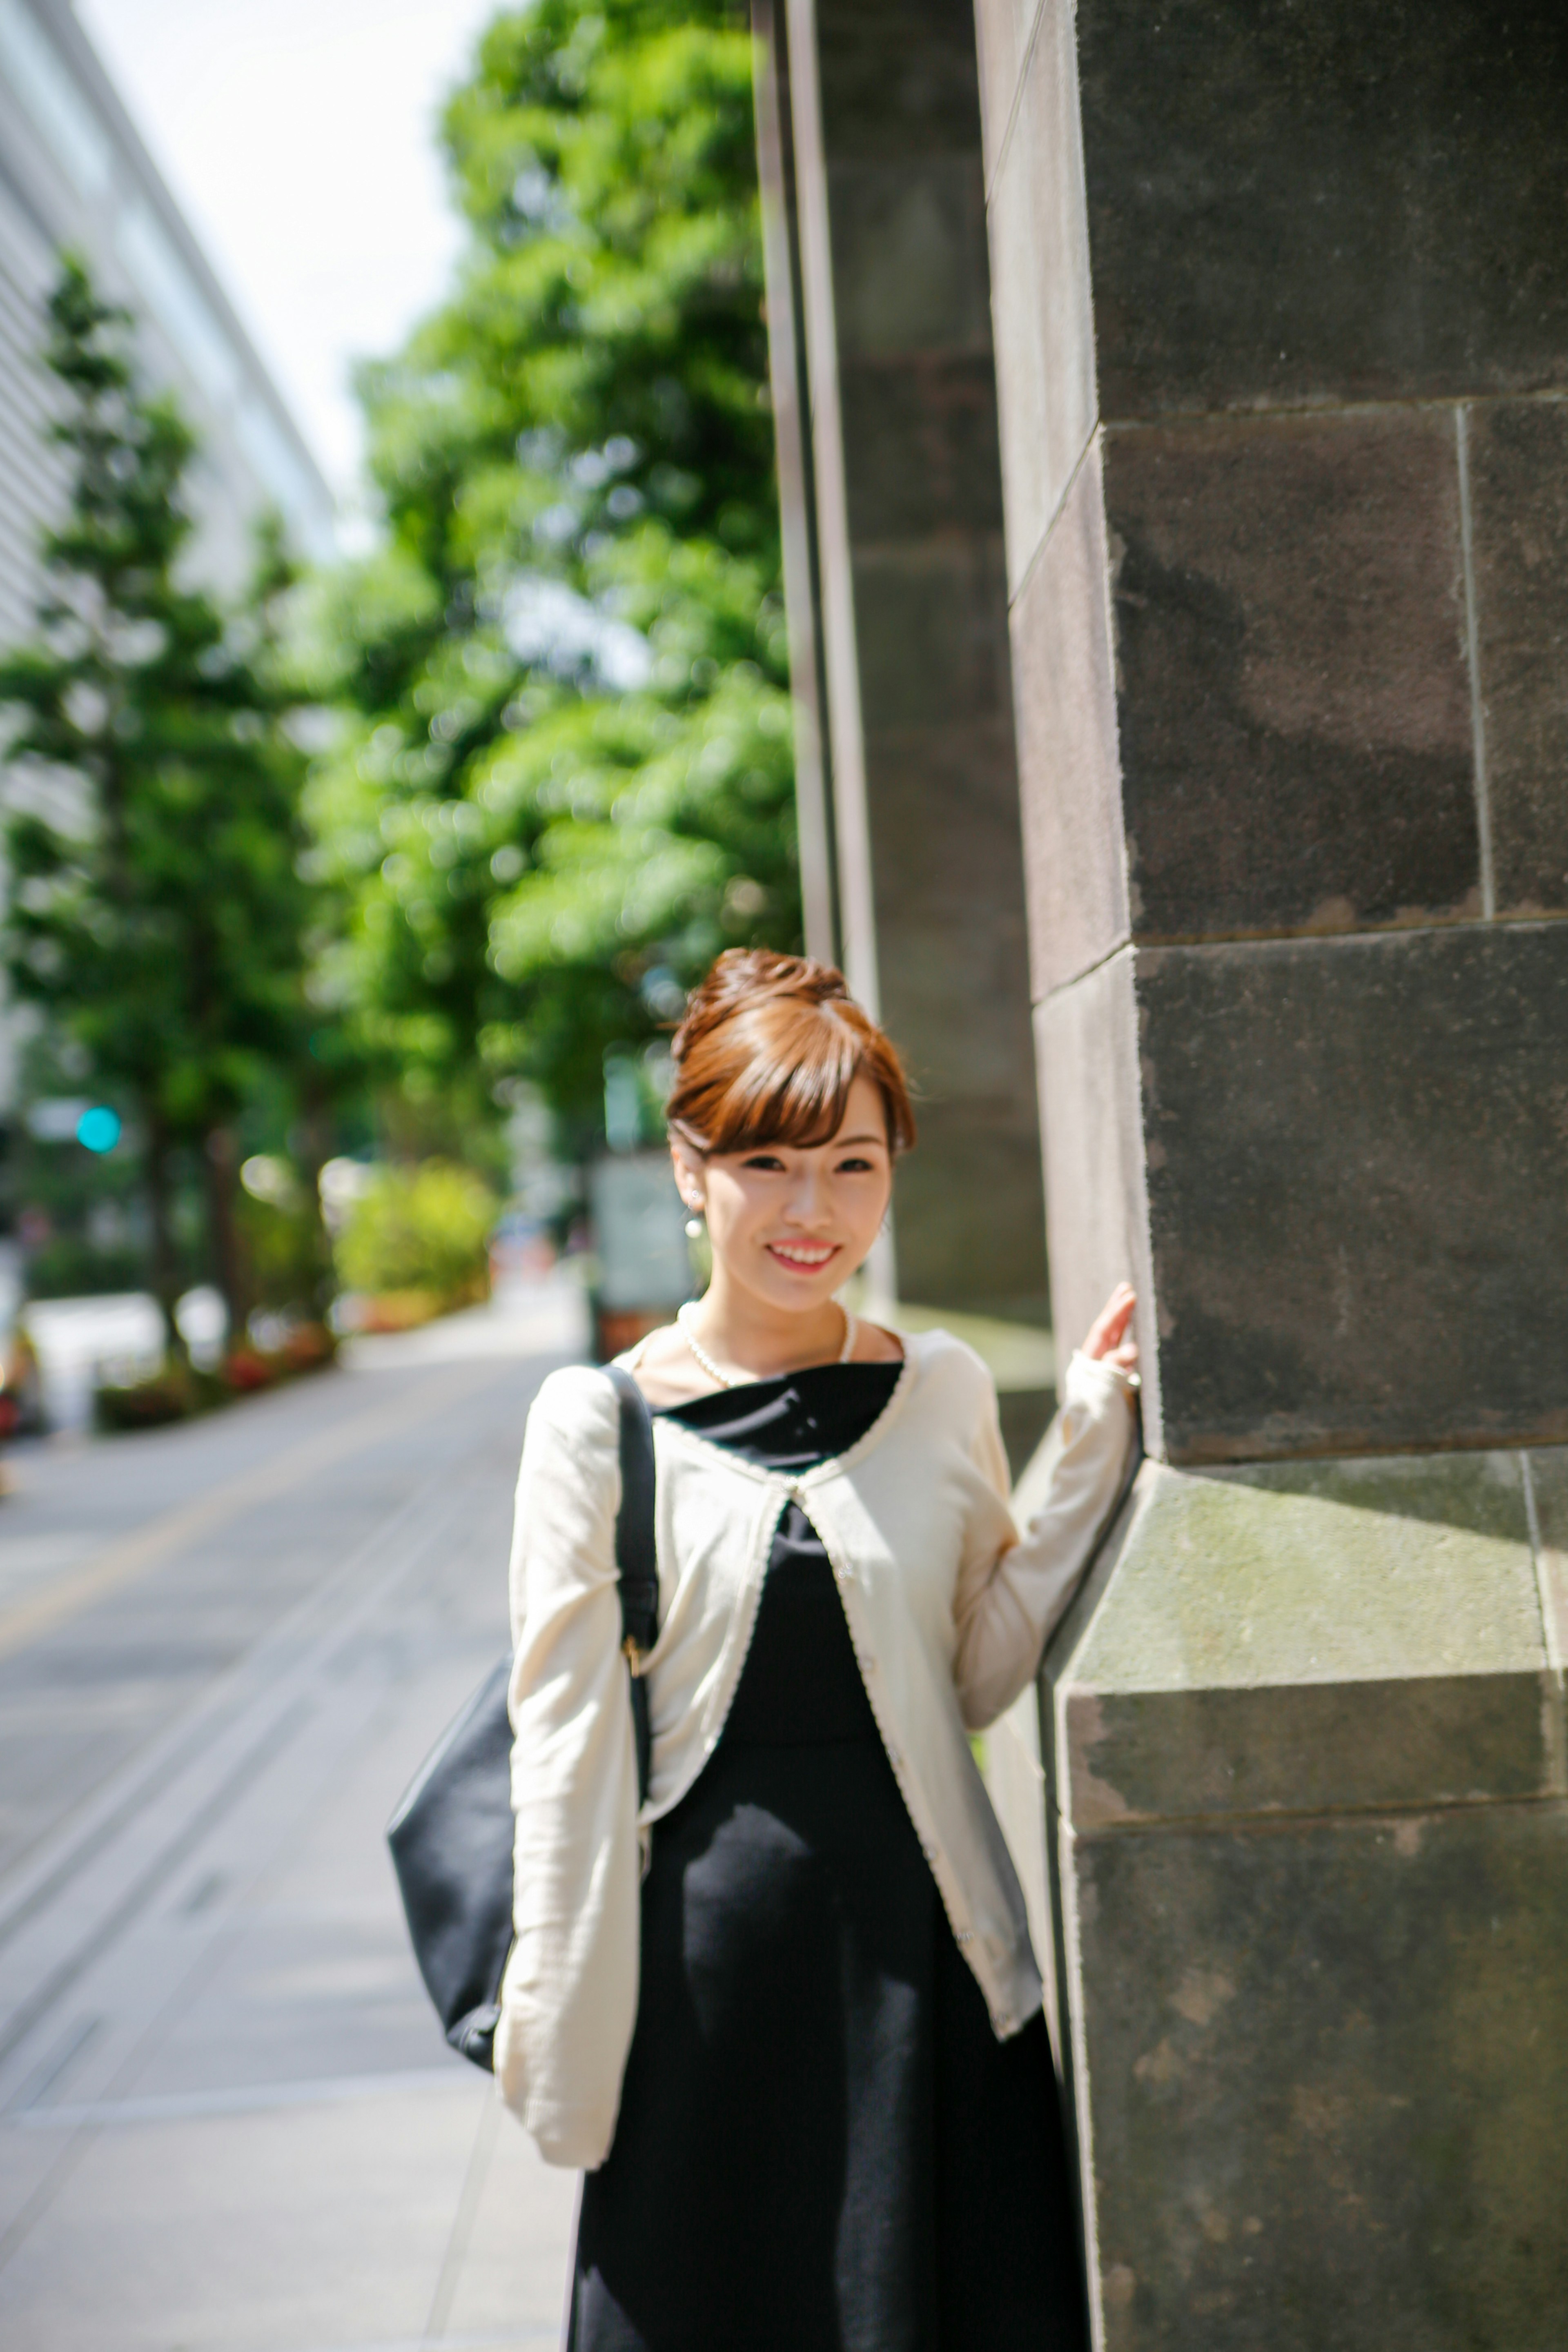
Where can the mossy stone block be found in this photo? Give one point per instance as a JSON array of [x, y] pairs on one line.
[[1309, 1637]]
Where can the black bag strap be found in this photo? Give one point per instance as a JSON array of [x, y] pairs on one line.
[[636, 1561]]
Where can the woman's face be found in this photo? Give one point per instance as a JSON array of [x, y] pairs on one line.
[[790, 1223]]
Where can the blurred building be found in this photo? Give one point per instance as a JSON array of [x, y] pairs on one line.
[[73, 173]]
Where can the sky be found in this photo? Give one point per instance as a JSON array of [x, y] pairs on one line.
[[297, 137]]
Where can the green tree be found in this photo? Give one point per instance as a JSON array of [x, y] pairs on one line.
[[423, 1228], [156, 913], [568, 779]]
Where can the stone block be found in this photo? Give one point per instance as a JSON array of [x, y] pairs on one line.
[[1313, 1637], [1309, 1753], [1068, 773], [909, 254], [931, 631], [920, 444], [898, 78], [1319, 2081], [952, 996], [1044, 323], [1359, 1222], [952, 957], [1294, 206], [968, 1218], [943, 804], [1294, 708], [1002, 43], [1546, 1468], [1002, 29], [1519, 495], [1086, 1053]]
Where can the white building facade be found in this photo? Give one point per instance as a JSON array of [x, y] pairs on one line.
[[74, 173]]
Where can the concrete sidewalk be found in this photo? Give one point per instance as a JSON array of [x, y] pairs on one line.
[[226, 2115]]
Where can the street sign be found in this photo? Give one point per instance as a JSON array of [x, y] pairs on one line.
[[639, 1225]]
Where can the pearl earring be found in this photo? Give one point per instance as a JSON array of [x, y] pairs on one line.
[[694, 1227]]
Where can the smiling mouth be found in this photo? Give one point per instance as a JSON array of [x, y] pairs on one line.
[[803, 1257]]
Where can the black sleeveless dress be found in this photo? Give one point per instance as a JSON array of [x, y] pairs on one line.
[[822, 2147]]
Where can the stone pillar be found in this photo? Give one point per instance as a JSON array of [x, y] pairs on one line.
[[1281, 307], [873, 154]]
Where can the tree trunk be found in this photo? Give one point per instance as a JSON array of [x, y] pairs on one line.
[[220, 1162], [313, 1150], [165, 1263]]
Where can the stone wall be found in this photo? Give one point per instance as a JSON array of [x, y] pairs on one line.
[[1281, 323], [1319, 513]]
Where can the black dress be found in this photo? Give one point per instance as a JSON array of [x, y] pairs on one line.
[[822, 2147]]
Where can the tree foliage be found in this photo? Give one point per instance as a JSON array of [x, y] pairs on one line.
[[568, 782], [425, 1228], [156, 913]]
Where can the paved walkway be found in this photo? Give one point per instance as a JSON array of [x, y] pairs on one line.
[[227, 2116]]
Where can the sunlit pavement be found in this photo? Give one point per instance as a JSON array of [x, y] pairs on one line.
[[227, 2116]]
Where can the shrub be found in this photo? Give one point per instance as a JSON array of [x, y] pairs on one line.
[[309, 1347], [171, 1394], [178, 1389], [425, 1228]]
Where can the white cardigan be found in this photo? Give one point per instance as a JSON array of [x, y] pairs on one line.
[[949, 1611]]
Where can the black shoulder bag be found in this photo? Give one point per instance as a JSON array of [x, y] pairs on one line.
[[451, 1837]]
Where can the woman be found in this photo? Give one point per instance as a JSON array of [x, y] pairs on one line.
[[789, 2020]]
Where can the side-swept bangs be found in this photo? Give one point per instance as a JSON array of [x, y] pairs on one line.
[[768, 1051]]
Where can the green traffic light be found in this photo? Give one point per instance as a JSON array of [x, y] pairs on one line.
[[98, 1128]]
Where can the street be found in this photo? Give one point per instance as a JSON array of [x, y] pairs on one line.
[[227, 2118]]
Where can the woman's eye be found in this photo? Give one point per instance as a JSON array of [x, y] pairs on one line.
[[763, 1160], [855, 1167]]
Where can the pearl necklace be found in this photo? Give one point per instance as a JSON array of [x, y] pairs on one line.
[[684, 1318]]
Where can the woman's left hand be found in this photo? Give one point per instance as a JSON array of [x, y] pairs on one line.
[[1109, 1339]]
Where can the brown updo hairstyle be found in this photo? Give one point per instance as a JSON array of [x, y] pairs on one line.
[[767, 1053]]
